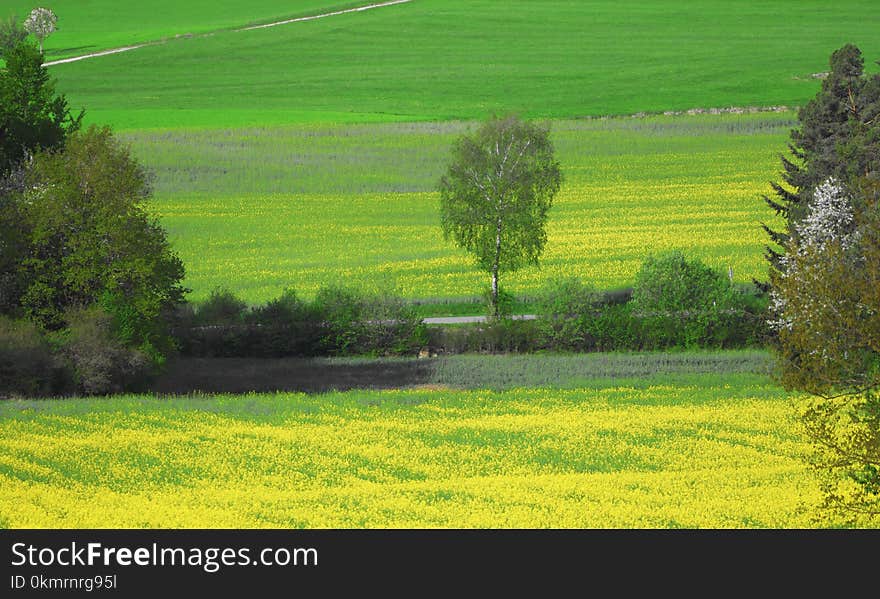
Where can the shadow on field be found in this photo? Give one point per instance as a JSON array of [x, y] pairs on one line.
[[241, 375], [56, 52]]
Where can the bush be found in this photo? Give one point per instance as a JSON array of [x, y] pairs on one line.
[[101, 363], [392, 326], [27, 366], [506, 303], [286, 326], [566, 310], [672, 283], [152, 337], [500, 336], [221, 308], [357, 324], [342, 313], [685, 303], [339, 321], [676, 303]]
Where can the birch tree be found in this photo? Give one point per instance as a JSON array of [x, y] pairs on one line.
[[496, 194]]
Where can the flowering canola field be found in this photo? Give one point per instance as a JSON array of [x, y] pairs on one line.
[[689, 454], [259, 210]]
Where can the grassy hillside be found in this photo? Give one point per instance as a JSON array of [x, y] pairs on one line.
[[717, 451], [447, 59], [86, 26], [257, 210]]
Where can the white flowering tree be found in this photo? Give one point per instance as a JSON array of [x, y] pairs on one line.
[[42, 22], [826, 300]]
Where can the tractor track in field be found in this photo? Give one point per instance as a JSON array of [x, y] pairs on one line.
[[248, 28]]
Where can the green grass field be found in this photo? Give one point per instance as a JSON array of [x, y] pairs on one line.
[[260, 209], [94, 25], [712, 451], [456, 59]]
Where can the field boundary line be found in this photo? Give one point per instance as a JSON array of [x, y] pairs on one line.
[[276, 23], [329, 14], [101, 53]]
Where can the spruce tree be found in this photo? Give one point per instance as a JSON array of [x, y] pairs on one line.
[[837, 138]]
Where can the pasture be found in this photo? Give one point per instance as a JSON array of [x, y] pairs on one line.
[[430, 60], [95, 25]]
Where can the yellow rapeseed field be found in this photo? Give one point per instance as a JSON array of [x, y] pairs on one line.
[[676, 455]]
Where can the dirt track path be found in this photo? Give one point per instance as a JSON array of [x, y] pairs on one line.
[[275, 24], [471, 319]]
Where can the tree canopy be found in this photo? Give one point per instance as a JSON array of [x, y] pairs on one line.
[[838, 136], [89, 239], [32, 115], [496, 194]]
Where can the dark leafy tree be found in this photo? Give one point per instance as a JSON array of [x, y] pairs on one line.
[[91, 241], [496, 193], [837, 137], [12, 33], [32, 115]]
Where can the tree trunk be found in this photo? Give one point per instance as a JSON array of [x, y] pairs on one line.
[[495, 290], [495, 269]]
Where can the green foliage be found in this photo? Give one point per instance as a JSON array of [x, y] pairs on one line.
[[11, 34], [358, 324], [340, 321], [393, 327], [682, 302], [496, 193], [91, 240], [838, 137], [27, 365], [827, 305], [567, 308], [102, 364], [675, 303], [342, 311], [13, 241], [287, 309], [672, 283], [32, 117], [221, 308], [498, 307]]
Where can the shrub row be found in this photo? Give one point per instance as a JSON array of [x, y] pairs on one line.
[[674, 303], [337, 322]]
